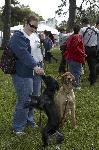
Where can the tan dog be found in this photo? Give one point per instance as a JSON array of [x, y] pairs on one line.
[[65, 99]]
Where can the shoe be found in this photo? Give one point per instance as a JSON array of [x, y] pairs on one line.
[[19, 133], [82, 70], [35, 126], [32, 124], [78, 88], [92, 84]]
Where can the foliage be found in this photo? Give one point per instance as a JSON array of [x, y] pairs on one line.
[[23, 12], [91, 10], [18, 10], [14, 2], [85, 137]]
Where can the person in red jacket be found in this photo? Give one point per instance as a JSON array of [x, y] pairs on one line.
[[75, 54]]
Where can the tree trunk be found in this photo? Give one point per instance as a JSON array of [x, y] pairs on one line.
[[72, 14], [7, 22]]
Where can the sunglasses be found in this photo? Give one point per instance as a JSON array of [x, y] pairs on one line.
[[32, 26]]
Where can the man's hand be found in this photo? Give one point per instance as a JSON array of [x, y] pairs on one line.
[[39, 71]]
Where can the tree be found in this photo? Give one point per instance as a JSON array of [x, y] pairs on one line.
[[22, 11], [13, 15], [6, 22], [91, 12], [74, 10], [72, 14], [1, 23]]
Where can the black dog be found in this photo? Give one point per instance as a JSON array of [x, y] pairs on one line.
[[46, 102]]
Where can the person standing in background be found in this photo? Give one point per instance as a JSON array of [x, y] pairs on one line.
[[97, 26], [42, 38], [48, 46], [29, 68], [75, 54], [62, 40], [90, 41]]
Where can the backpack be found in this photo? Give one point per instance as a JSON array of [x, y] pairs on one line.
[[7, 62], [92, 32]]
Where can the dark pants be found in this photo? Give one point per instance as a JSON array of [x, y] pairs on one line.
[[91, 60], [62, 66], [49, 57]]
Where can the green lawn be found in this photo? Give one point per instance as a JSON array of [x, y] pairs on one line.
[[85, 137]]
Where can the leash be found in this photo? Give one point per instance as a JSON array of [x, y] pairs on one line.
[[40, 111]]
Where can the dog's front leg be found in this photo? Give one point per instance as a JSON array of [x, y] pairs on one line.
[[45, 136], [73, 116], [65, 108]]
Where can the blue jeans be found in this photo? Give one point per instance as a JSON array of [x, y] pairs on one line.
[[75, 69], [24, 87]]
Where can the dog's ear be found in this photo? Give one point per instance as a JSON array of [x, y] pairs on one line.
[[62, 78], [73, 78]]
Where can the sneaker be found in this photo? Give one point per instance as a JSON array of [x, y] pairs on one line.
[[35, 126], [82, 70], [19, 133], [92, 83], [78, 88], [32, 124]]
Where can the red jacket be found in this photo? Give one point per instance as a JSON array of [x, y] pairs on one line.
[[75, 49]]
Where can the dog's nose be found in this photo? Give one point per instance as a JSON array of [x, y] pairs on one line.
[[69, 79]]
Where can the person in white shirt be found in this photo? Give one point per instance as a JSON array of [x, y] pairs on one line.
[[97, 66], [90, 40], [38, 57], [97, 26], [62, 40], [25, 44]]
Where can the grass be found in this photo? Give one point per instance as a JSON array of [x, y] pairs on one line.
[[85, 137]]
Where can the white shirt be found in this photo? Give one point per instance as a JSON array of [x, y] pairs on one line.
[[98, 40], [35, 46], [87, 36]]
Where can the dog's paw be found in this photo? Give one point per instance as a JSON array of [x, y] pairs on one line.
[[59, 137]]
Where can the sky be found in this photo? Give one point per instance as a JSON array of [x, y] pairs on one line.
[[45, 8]]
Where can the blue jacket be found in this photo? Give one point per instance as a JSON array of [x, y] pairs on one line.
[[25, 63]]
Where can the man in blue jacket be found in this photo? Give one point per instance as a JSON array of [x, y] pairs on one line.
[[29, 67]]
